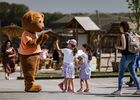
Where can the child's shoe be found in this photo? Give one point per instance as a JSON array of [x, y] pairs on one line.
[[64, 91], [7, 77], [86, 90], [61, 86], [70, 90], [80, 90]]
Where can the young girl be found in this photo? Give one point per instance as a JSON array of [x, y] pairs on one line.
[[68, 69], [84, 67]]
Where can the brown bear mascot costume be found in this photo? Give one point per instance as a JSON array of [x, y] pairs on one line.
[[29, 50]]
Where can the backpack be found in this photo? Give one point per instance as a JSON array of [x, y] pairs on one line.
[[133, 42]]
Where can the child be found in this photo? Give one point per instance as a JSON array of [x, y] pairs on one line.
[[68, 69], [84, 67]]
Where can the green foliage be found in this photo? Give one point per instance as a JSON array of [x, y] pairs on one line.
[[134, 5], [51, 17], [11, 13]]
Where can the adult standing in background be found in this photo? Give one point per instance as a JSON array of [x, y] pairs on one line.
[[8, 58]]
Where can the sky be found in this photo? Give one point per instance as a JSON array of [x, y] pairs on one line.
[[74, 6]]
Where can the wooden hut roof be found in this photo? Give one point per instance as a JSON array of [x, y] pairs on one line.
[[85, 22]]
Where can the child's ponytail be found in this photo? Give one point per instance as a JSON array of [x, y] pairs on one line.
[[88, 50], [74, 49], [89, 55]]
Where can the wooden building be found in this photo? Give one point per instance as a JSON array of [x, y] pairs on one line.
[[82, 29]]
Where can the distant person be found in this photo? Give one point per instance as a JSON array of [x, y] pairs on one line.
[[84, 67], [128, 60], [8, 58], [131, 82], [56, 58], [44, 55], [68, 67], [55, 55]]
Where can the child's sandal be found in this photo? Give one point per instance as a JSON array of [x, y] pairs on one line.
[[80, 90], [86, 90]]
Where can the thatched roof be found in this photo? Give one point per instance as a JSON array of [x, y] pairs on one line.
[[11, 30]]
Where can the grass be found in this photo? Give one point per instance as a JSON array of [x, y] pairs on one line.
[[58, 75]]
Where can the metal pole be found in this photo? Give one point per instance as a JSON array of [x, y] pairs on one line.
[[98, 18]]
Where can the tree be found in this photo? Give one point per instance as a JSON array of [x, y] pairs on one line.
[[134, 5], [51, 17], [4, 10], [16, 12], [11, 13]]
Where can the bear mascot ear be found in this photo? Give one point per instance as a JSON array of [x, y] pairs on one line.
[[30, 16], [42, 15], [27, 17]]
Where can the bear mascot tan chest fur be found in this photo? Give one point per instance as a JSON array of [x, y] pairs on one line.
[[29, 50]]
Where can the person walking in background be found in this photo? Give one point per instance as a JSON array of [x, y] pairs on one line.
[[128, 60], [131, 83], [44, 53], [68, 68], [8, 58], [44, 58], [84, 67], [56, 59]]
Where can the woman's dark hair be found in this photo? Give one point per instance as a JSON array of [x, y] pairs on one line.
[[3, 48], [88, 49], [125, 26], [7, 42]]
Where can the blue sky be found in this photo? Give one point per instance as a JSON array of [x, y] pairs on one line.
[[72, 6]]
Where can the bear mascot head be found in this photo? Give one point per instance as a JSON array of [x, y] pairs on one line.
[[33, 21], [30, 49]]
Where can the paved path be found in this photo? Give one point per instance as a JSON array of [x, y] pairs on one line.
[[100, 90]]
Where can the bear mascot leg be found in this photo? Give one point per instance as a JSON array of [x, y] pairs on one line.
[[30, 66]]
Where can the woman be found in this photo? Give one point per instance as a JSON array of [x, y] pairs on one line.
[[8, 58], [128, 60]]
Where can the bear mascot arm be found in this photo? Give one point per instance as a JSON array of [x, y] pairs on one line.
[[40, 40]]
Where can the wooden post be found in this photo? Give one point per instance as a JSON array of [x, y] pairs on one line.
[[99, 55], [76, 31], [116, 52]]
